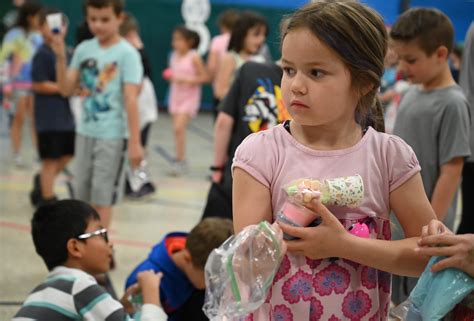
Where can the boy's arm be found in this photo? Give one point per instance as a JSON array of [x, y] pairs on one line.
[[135, 149], [446, 186], [222, 134], [228, 111], [149, 283], [45, 87], [67, 79]]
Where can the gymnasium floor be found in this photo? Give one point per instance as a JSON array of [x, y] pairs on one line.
[[136, 226]]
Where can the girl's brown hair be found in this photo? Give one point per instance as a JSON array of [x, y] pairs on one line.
[[358, 35]]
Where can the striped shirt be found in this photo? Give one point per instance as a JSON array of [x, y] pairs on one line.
[[72, 294]]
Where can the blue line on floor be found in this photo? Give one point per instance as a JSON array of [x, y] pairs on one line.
[[163, 153], [201, 133]]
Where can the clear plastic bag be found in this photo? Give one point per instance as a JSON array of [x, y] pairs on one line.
[[435, 294], [240, 272], [139, 176]]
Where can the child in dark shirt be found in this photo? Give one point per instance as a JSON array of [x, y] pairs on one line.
[[54, 121]]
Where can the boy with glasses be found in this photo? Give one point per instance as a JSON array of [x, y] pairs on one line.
[[70, 239]]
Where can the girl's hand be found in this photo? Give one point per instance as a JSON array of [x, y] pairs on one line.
[[320, 242], [459, 250]]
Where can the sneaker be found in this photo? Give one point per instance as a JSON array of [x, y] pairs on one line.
[[147, 189], [47, 201], [19, 162], [178, 168]]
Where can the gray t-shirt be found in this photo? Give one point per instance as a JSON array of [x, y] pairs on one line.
[[466, 79], [436, 125]]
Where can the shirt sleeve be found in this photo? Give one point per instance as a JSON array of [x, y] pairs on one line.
[[132, 68], [151, 312], [11, 35], [454, 132], [40, 70], [402, 162], [214, 44], [257, 161]]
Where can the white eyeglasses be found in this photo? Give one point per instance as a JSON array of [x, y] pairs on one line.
[[102, 232]]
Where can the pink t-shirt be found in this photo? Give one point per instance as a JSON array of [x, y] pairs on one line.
[[219, 45], [330, 289]]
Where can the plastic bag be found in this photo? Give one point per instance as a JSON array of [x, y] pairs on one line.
[[139, 176], [435, 294], [240, 272], [342, 191]]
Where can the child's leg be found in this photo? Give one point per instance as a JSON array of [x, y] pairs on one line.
[[63, 161], [105, 213], [49, 169], [180, 123], [17, 123], [144, 133], [108, 176], [83, 165], [30, 112]]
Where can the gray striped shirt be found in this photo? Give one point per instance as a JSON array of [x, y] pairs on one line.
[[71, 294]]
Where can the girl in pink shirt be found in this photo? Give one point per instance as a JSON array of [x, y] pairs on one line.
[[332, 57], [248, 35], [187, 74]]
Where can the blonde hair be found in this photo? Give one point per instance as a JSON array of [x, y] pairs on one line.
[[209, 234]]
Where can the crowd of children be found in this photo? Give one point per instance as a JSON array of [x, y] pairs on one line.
[[316, 113]]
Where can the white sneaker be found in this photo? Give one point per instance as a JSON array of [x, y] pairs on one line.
[[178, 168], [18, 161]]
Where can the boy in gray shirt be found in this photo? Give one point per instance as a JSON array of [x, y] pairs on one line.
[[433, 115]]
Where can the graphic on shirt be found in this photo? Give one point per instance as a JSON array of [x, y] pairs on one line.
[[265, 107], [93, 85], [18, 49]]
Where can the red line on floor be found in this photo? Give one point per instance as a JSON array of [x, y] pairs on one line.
[[125, 242]]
